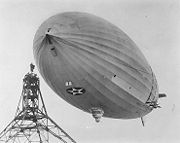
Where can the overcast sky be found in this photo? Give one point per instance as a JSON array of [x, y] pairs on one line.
[[152, 24]]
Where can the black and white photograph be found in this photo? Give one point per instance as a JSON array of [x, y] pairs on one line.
[[84, 71]]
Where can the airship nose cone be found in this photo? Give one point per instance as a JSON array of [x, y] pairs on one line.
[[49, 31]]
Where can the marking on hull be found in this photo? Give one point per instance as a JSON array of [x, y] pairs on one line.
[[76, 91], [68, 83]]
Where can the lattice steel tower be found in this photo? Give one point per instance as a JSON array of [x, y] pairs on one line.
[[32, 123]]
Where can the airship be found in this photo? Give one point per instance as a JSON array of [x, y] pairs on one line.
[[95, 66]]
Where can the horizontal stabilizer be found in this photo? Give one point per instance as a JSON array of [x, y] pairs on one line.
[[162, 95]]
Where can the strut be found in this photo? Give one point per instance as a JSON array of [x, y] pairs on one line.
[[31, 122]]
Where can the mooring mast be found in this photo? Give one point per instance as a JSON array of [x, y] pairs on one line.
[[31, 122]]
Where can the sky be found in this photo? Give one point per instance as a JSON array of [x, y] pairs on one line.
[[152, 25]]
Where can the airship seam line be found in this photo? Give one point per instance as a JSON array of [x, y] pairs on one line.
[[104, 39], [72, 45], [141, 76], [121, 89], [137, 56], [97, 81]]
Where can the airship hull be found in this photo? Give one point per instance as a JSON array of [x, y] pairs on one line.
[[91, 63]]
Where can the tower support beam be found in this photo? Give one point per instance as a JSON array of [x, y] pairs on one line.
[[31, 122]]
